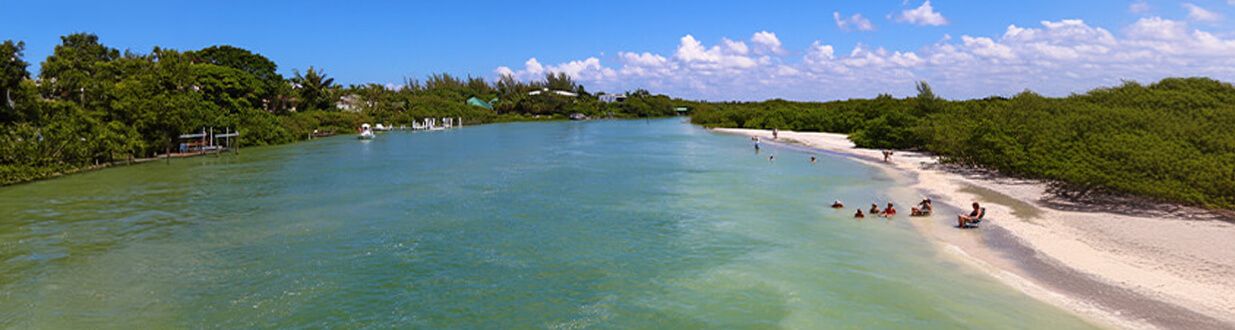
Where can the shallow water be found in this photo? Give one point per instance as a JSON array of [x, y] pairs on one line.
[[610, 224]]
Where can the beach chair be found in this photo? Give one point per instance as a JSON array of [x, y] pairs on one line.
[[975, 222]]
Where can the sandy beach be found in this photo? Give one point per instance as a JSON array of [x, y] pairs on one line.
[[1119, 267]]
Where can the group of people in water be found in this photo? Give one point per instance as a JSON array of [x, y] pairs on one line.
[[924, 208]]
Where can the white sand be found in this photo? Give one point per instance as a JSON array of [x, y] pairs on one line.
[[1188, 263]]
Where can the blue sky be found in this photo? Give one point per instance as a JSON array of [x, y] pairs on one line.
[[964, 48]]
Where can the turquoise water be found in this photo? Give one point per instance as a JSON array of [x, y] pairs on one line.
[[606, 224]]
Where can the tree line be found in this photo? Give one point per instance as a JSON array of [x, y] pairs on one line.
[[1170, 140], [92, 104]]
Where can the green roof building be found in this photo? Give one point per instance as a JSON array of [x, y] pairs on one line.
[[480, 103]]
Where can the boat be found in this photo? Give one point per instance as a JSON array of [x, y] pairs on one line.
[[366, 133]]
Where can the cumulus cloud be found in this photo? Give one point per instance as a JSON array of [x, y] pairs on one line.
[[923, 15], [855, 22], [1141, 7], [1199, 14], [1051, 57], [769, 43]]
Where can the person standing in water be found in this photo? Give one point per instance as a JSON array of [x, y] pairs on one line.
[[889, 211], [756, 140]]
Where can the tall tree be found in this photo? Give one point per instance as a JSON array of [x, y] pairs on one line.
[[74, 71]]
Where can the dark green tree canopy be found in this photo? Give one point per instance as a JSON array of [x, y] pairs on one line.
[[238, 58]]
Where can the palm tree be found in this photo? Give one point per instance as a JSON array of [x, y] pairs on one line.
[[315, 89]]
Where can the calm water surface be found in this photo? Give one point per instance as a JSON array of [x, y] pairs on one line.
[[608, 224]]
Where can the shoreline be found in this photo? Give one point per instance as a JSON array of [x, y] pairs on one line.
[[1117, 269]]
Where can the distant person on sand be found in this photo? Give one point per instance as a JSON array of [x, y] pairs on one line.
[[775, 134], [837, 204], [887, 155], [973, 217], [889, 211], [812, 160], [924, 208], [859, 214], [874, 208]]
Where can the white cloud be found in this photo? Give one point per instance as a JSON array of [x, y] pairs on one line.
[[923, 15], [732, 56], [769, 43], [987, 47], [1196, 13], [1141, 7], [533, 66], [1052, 57], [852, 22]]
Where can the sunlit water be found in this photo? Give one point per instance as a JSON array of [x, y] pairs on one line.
[[647, 224]]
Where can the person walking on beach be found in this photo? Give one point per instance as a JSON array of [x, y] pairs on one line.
[[775, 134], [887, 154]]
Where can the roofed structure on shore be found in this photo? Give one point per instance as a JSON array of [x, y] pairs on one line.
[[474, 101]]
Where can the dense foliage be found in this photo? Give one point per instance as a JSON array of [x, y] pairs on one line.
[[92, 104], [1171, 140]]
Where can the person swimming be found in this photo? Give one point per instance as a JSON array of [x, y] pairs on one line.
[[837, 204], [859, 214], [889, 211], [771, 158], [812, 160], [874, 208]]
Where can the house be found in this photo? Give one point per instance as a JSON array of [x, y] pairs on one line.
[[613, 98], [546, 90], [350, 103]]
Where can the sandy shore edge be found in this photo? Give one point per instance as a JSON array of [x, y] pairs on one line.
[[1119, 270]]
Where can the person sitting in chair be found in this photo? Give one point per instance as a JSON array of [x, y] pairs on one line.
[[975, 216], [924, 208]]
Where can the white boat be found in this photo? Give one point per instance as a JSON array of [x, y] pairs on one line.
[[380, 128], [366, 133]]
